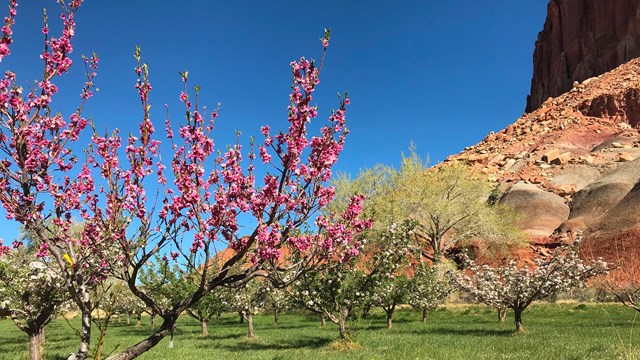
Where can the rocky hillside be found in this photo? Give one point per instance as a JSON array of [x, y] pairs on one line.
[[582, 39], [574, 163]]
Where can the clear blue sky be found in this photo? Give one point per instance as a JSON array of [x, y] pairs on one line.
[[442, 74]]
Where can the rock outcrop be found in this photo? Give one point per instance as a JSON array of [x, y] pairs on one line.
[[542, 211], [582, 39], [567, 165], [596, 200]]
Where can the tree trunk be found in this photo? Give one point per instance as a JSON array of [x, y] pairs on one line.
[[342, 327], [85, 334], [205, 330], [365, 311], [424, 315], [128, 320], [323, 320], [171, 338], [139, 321], [502, 314], [250, 333], [276, 316], [153, 321], [145, 345], [36, 345], [518, 319], [241, 313]]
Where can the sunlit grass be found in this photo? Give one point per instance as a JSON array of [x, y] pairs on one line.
[[565, 331]]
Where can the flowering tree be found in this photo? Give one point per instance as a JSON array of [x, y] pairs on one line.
[[385, 265], [247, 299], [40, 186], [130, 306], [201, 193], [333, 292], [31, 294], [517, 287], [204, 194], [427, 289], [276, 300], [210, 306]]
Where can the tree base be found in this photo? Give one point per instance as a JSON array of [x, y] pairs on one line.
[[344, 345]]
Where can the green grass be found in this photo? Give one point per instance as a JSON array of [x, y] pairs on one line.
[[472, 332]]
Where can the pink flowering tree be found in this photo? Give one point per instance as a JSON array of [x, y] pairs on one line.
[[189, 208], [41, 186], [517, 287]]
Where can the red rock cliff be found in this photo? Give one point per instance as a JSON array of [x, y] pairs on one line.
[[582, 39]]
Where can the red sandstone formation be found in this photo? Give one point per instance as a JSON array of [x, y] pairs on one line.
[[582, 148], [582, 39]]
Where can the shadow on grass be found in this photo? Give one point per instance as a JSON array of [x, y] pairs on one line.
[[219, 337], [287, 326], [255, 345], [12, 341], [461, 332]]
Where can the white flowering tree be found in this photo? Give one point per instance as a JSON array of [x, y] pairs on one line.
[[276, 300], [334, 292], [427, 289], [385, 265], [516, 287], [210, 306], [390, 293], [247, 299], [30, 294], [130, 306]]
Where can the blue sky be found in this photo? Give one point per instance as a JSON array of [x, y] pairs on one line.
[[442, 74]]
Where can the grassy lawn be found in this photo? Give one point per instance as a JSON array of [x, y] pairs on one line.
[[566, 331]]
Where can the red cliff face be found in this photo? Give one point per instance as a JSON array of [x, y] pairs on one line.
[[582, 39]]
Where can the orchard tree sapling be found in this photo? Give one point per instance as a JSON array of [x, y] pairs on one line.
[[31, 293], [428, 288], [517, 287]]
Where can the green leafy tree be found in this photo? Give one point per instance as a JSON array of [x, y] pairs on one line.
[[450, 205]]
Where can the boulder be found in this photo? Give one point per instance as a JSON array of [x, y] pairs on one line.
[[625, 157], [597, 198], [541, 211], [621, 217], [551, 156]]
